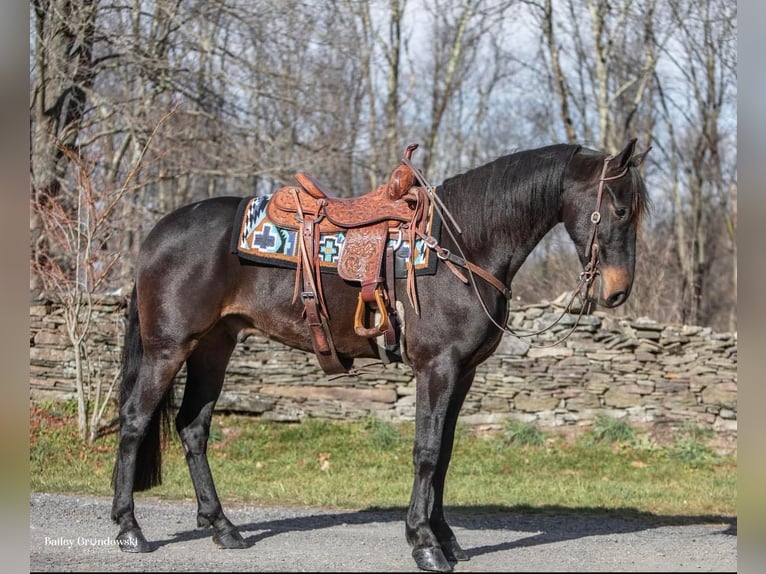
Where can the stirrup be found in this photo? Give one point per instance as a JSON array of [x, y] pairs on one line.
[[381, 327]]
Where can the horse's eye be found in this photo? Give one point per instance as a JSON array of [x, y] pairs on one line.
[[620, 212]]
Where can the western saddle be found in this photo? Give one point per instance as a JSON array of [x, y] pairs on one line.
[[397, 209]]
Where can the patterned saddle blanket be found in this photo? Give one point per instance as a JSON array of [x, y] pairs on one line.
[[258, 239]]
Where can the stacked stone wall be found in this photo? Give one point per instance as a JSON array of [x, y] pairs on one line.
[[641, 370]]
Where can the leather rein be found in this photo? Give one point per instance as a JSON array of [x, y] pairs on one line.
[[585, 279]]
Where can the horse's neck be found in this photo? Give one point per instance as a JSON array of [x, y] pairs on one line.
[[501, 232], [538, 229]]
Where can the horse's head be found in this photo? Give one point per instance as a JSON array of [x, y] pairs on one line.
[[602, 210]]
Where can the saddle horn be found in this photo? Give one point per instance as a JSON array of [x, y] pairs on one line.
[[403, 178]]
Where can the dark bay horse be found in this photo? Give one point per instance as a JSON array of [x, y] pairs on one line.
[[192, 298]]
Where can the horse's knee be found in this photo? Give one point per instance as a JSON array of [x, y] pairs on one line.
[[133, 426], [425, 458]]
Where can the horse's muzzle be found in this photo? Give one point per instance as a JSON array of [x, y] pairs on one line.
[[616, 283]]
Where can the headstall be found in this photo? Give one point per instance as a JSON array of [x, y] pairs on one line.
[[585, 278]]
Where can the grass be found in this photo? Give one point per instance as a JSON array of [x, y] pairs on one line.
[[523, 434], [369, 464], [611, 430]]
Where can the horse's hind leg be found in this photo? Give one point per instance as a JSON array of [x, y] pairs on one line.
[[206, 367], [138, 457]]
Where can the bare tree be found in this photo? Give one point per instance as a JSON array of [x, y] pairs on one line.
[[62, 74], [609, 61], [461, 35], [700, 164], [79, 271]]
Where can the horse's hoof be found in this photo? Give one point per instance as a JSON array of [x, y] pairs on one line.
[[431, 560], [230, 540], [453, 552], [133, 540]]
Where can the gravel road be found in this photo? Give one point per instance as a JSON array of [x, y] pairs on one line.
[[75, 534]]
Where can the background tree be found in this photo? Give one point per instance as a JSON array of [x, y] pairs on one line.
[[264, 88], [662, 72], [77, 268], [63, 71], [699, 152]]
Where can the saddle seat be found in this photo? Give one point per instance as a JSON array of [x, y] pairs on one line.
[[291, 204], [395, 202], [392, 209], [401, 180]]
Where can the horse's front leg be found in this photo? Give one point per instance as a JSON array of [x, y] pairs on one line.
[[449, 544], [436, 392]]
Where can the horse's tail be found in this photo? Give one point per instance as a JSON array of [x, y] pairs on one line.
[[149, 459]]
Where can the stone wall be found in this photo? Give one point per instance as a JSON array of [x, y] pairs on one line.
[[647, 372]]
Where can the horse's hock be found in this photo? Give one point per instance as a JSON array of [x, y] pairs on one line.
[[651, 374]]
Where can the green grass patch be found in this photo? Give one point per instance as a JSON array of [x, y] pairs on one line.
[[612, 430], [523, 434], [382, 434], [369, 464], [691, 445]]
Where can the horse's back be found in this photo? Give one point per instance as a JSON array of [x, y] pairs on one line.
[[193, 224]]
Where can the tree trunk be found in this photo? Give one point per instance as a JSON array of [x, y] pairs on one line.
[[63, 44]]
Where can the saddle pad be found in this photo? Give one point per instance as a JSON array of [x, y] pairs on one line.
[[256, 238]]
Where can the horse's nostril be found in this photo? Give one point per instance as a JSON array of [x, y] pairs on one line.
[[617, 298]]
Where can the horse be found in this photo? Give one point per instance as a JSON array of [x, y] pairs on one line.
[[193, 298]]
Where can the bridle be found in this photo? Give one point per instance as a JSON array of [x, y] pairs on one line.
[[584, 281], [591, 268], [589, 273]]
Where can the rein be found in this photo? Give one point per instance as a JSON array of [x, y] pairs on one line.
[[585, 279]]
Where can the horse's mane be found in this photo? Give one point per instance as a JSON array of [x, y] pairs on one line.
[[509, 194]]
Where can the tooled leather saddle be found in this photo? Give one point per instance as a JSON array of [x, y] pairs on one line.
[[397, 209]]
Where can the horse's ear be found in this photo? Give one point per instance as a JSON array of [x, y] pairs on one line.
[[621, 159], [636, 160]]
